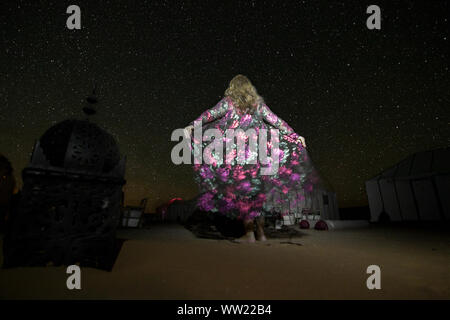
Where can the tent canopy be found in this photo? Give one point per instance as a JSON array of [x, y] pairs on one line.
[[416, 188], [420, 164]]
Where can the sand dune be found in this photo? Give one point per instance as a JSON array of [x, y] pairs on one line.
[[168, 262]]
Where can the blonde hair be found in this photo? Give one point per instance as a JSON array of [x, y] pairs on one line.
[[243, 94]]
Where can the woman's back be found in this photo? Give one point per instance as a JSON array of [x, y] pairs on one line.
[[239, 187]]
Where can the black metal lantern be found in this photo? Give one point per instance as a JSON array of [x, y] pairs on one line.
[[70, 201]]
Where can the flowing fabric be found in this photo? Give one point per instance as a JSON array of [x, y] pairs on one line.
[[236, 186]]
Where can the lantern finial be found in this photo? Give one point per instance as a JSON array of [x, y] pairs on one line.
[[92, 99]]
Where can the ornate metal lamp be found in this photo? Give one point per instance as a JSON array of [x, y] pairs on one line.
[[70, 202]]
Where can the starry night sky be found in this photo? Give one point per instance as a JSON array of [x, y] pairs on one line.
[[363, 99]]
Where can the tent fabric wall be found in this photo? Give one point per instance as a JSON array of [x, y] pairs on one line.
[[390, 200], [443, 186], [319, 200], [375, 201], [417, 188], [406, 200], [330, 207], [180, 211], [427, 201]]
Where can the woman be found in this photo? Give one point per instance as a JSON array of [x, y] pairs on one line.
[[238, 189]]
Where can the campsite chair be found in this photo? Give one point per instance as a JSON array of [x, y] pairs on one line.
[[298, 216], [274, 217], [316, 215], [309, 214], [289, 219], [132, 215]]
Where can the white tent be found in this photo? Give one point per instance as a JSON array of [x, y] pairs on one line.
[[180, 211], [321, 203], [417, 188]]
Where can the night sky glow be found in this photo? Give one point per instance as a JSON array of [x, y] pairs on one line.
[[363, 99]]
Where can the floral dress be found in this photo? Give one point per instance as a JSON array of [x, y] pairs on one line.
[[235, 186]]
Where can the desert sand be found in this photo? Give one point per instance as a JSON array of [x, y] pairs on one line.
[[169, 262]]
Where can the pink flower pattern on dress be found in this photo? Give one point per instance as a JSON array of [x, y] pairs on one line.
[[239, 190]]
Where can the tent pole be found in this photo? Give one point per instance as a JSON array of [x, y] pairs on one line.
[[398, 200], [415, 199]]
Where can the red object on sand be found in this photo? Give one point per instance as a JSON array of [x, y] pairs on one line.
[[304, 224], [162, 209], [321, 225]]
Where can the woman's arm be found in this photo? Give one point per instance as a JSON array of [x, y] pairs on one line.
[[216, 112], [272, 119], [275, 121]]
